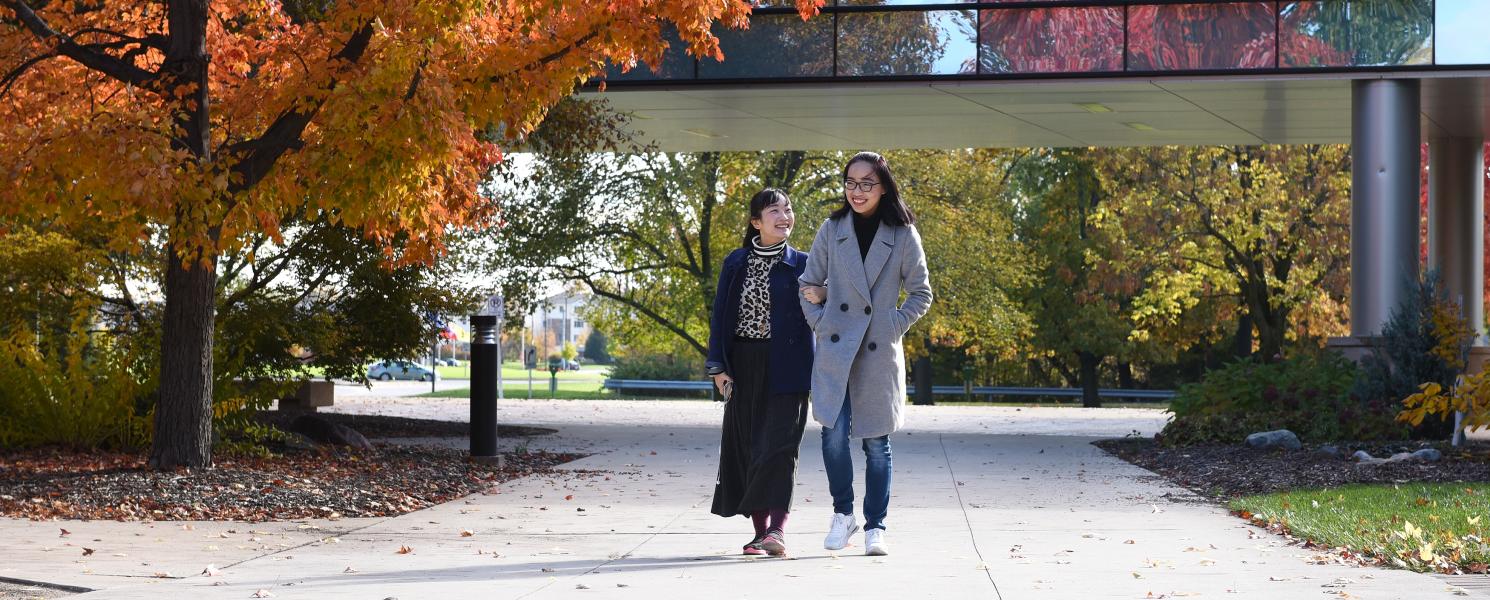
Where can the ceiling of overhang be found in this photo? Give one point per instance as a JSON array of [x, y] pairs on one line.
[[963, 114]]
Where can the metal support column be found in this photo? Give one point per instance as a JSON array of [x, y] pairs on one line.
[[1456, 222], [1385, 150]]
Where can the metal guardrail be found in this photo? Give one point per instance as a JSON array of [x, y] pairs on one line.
[[620, 385], [957, 390], [647, 384]]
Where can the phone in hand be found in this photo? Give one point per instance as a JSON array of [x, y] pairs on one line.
[[729, 389]]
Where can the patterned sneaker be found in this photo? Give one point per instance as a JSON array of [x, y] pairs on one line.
[[774, 543], [754, 547]]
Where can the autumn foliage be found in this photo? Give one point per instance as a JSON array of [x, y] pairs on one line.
[[193, 124]]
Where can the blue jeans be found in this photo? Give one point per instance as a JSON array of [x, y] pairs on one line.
[[840, 467]]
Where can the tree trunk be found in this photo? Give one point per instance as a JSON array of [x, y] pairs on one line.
[[183, 416], [1242, 346], [1089, 363], [1125, 375], [1270, 331]]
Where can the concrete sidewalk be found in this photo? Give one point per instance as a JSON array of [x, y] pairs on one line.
[[988, 502]]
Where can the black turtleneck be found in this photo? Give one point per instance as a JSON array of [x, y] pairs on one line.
[[864, 229]]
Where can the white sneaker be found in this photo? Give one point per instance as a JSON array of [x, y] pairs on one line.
[[839, 531], [874, 542]]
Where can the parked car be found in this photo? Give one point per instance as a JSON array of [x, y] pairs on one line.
[[389, 370], [450, 362], [571, 365]]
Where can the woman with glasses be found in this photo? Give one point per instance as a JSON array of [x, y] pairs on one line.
[[760, 356], [863, 256]]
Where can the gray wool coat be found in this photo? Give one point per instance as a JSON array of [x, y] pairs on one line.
[[860, 326]]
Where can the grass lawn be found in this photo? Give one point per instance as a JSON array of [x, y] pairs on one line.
[[1431, 527], [514, 371], [540, 390], [947, 401]]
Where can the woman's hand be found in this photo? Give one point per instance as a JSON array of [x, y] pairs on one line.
[[815, 294], [725, 384]]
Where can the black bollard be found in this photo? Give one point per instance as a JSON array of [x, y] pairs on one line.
[[484, 371]]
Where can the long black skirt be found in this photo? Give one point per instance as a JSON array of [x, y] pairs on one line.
[[758, 447]]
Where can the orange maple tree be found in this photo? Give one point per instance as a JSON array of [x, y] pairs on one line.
[[193, 123]]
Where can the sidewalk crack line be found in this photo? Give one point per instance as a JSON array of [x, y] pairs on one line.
[[987, 569]]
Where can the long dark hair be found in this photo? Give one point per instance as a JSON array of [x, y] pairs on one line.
[[892, 208], [758, 203]]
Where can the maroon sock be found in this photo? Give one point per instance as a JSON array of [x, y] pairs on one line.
[[778, 519], [758, 518]]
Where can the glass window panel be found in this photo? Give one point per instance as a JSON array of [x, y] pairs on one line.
[[1462, 26], [1230, 35], [942, 42], [1052, 40], [779, 45], [1323, 33], [905, 2], [676, 63]]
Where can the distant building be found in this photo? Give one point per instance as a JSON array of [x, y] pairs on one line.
[[556, 320]]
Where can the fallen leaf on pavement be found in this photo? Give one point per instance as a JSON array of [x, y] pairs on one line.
[[87, 552], [405, 550], [467, 533], [263, 594]]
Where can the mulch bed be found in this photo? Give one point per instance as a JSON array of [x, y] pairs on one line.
[[1222, 472], [328, 482], [379, 426]]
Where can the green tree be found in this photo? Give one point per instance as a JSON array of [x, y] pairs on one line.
[[966, 218], [597, 346], [1265, 225], [645, 232], [1080, 314]]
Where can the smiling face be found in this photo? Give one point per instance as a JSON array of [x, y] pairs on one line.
[[775, 222], [863, 188]]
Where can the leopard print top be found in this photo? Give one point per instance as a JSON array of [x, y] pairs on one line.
[[755, 295]]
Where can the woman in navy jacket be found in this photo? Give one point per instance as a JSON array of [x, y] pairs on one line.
[[760, 356]]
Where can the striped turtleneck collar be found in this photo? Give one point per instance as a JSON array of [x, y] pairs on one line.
[[766, 251]]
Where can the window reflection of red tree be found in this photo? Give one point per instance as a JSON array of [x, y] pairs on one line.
[[1052, 40], [1234, 35]]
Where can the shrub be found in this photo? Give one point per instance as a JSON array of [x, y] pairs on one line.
[[657, 367], [1308, 395], [81, 390], [596, 347], [1425, 341]]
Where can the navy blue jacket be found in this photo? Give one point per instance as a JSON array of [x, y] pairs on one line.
[[792, 342]]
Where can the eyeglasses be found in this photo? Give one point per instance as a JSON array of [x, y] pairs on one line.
[[852, 185]]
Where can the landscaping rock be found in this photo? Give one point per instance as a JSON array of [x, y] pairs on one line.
[[1269, 440], [1363, 455], [298, 441], [1428, 455], [1329, 450], [326, 432]]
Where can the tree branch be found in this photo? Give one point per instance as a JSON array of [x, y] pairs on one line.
[[284, 134], [15, 74], [120, 70], [649, 313]]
